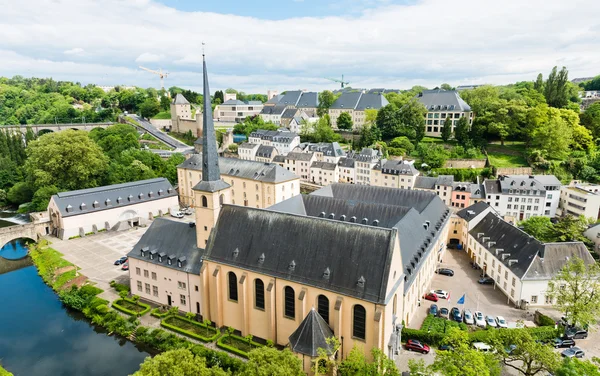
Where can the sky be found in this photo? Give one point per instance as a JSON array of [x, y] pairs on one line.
[[261, 45]]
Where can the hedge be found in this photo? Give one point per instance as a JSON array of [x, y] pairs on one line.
[[441, 325], [225, 346], [177, 329], [543, 320], [116, 305], [156, 313], [119, 286]]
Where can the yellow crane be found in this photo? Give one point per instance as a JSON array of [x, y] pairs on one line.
[[160, 74]]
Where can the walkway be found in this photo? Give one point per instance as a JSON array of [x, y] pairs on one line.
[[165, 138]]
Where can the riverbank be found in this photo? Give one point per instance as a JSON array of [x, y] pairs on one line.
[[97, 310], [4, 372]]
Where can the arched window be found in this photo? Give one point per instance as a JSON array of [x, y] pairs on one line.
[[233, 289], [204, 202], [359, 322], [259, 294], [289, 303], [221, 199], [323, 307]]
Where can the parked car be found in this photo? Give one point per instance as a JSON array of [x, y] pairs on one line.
[[468, 317], [481, 346], [121, 260], [414, 345], [491, 322], [480, 320], [573, 352], [431, 296], [443, 313], [563, 342], [501, 322], [486, 281], [125, 266], [446, 348], [576, 333], [433, 309], [187, 211], [510, 349], [177, 214], [445, 271], [441, 294], [455, 314]]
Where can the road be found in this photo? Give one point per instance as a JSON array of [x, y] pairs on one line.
[[165, 138]]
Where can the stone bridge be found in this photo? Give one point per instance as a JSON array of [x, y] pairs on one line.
[[32, 231], [44, 128]]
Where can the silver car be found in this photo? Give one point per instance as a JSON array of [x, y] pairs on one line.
[[479, 320], [468, 317], [491, 322]]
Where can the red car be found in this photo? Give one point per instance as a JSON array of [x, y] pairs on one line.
[[431, 296], [125, 266], [414, 345]]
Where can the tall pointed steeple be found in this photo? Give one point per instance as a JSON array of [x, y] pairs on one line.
[[211, 176]]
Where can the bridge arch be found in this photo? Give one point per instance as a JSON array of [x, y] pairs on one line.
[[16, 249], [42, 132]]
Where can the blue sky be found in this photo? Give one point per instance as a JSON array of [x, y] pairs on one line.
[[261, 45], [281, 9]]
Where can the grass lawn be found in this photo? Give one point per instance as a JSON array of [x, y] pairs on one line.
[[181, 137], [131, 306], [163, 115], [436, 140], [505, 160], [238, 343], [197, 328]]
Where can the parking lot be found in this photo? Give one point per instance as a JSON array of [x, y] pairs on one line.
[[484, 298]]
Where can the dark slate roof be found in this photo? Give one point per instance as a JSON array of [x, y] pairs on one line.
[[346, 162], [392, 167], [324, 165], [492, 187], [425, 182], [174, 239], [477, 191], [275, 99], [265, 151], [267, 172], [298, 156], [304, 249], [442, 100], [311, 335], [112, 196], [273, 110], [279, 158], [327, 148], [347, 100], [246, 145], [518, 245], [180, 99], [235, 101], [523, 182], [308, 100], [472, 211], [371, 102], [289, 113], [447, 180], [290, 98], [555, 257]]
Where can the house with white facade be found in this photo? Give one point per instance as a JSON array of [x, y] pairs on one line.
[[441, 185], [247, 151], [580, 199], [324, 173], [443, 105], [347, 170], [366, 159], [400, 174], [325, 151], [520, 265], [272, 114], [356, 103], [235, 111], [283, 140], [524, 196], [298, 163]]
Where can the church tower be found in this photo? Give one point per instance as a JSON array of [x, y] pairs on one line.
[[211, 192]]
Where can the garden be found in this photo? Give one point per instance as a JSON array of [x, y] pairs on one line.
[[131, 306], [186, 326], [238, 345]]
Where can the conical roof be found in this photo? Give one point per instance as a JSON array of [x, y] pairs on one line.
[[311, 334]]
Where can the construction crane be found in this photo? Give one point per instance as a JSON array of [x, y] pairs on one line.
[[342, 82], [160, 74]]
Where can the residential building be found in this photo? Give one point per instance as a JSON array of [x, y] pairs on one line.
[[365, 161], [298, 121], [284, 141], [308, 103], [324, 173], [524, 196], [266, 153], [253, 184], [593, 233], [288, 115], [347, 170], [521, 265], [578, 201], [276, 107], [235, 111], [272, 114], [324, 151], [356, 103], [247, 151], [299, 164], [441, 185], [394, 173], [441, 105], [76, 213]]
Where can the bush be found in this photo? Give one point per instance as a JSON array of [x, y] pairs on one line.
[[171, 323], [90, 290], [232, 343], [118, 304], [156, 312], [119, 286], [430, 338], [543, 320], [218, 359], [440, 325]]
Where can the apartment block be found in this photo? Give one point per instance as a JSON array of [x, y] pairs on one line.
[[442, 105], [235, 111], [356, 103], [578, 201]]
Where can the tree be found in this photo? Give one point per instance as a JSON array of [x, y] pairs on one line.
[[41, 198], [219, 95], [553, 138], [69, 160], [344, 121], [575, 291], [356, 364], [447, 129], [369, 135], [268, 361], [555, 89], [400, 146], [149, 107], [177, 362], [539, 83], [540, 228], [520, 351], [20, 193], [590, 119], [412, 118], [326, 99], [388, 121], [576, 367], [461, 132], [464, 360], [445, 87], [323, 131], [432, 154]]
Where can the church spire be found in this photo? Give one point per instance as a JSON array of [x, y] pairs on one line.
[[210, 157]]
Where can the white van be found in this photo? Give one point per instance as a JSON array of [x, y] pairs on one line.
[[481, 346]]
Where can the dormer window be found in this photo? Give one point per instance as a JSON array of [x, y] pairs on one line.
[[150, 194], [140, 195], [95, 204], [361, 282], [107, 202], [82, 206]]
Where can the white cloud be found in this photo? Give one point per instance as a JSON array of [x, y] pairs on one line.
[[148, 57], [394, 46], [75, 51]]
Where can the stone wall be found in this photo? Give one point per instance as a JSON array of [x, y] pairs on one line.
[[161, 123], [514, 171], [465, 163]]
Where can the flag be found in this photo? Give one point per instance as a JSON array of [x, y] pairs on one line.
[[461, 300]]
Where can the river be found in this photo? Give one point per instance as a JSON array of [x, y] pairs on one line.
[[40, 337]]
